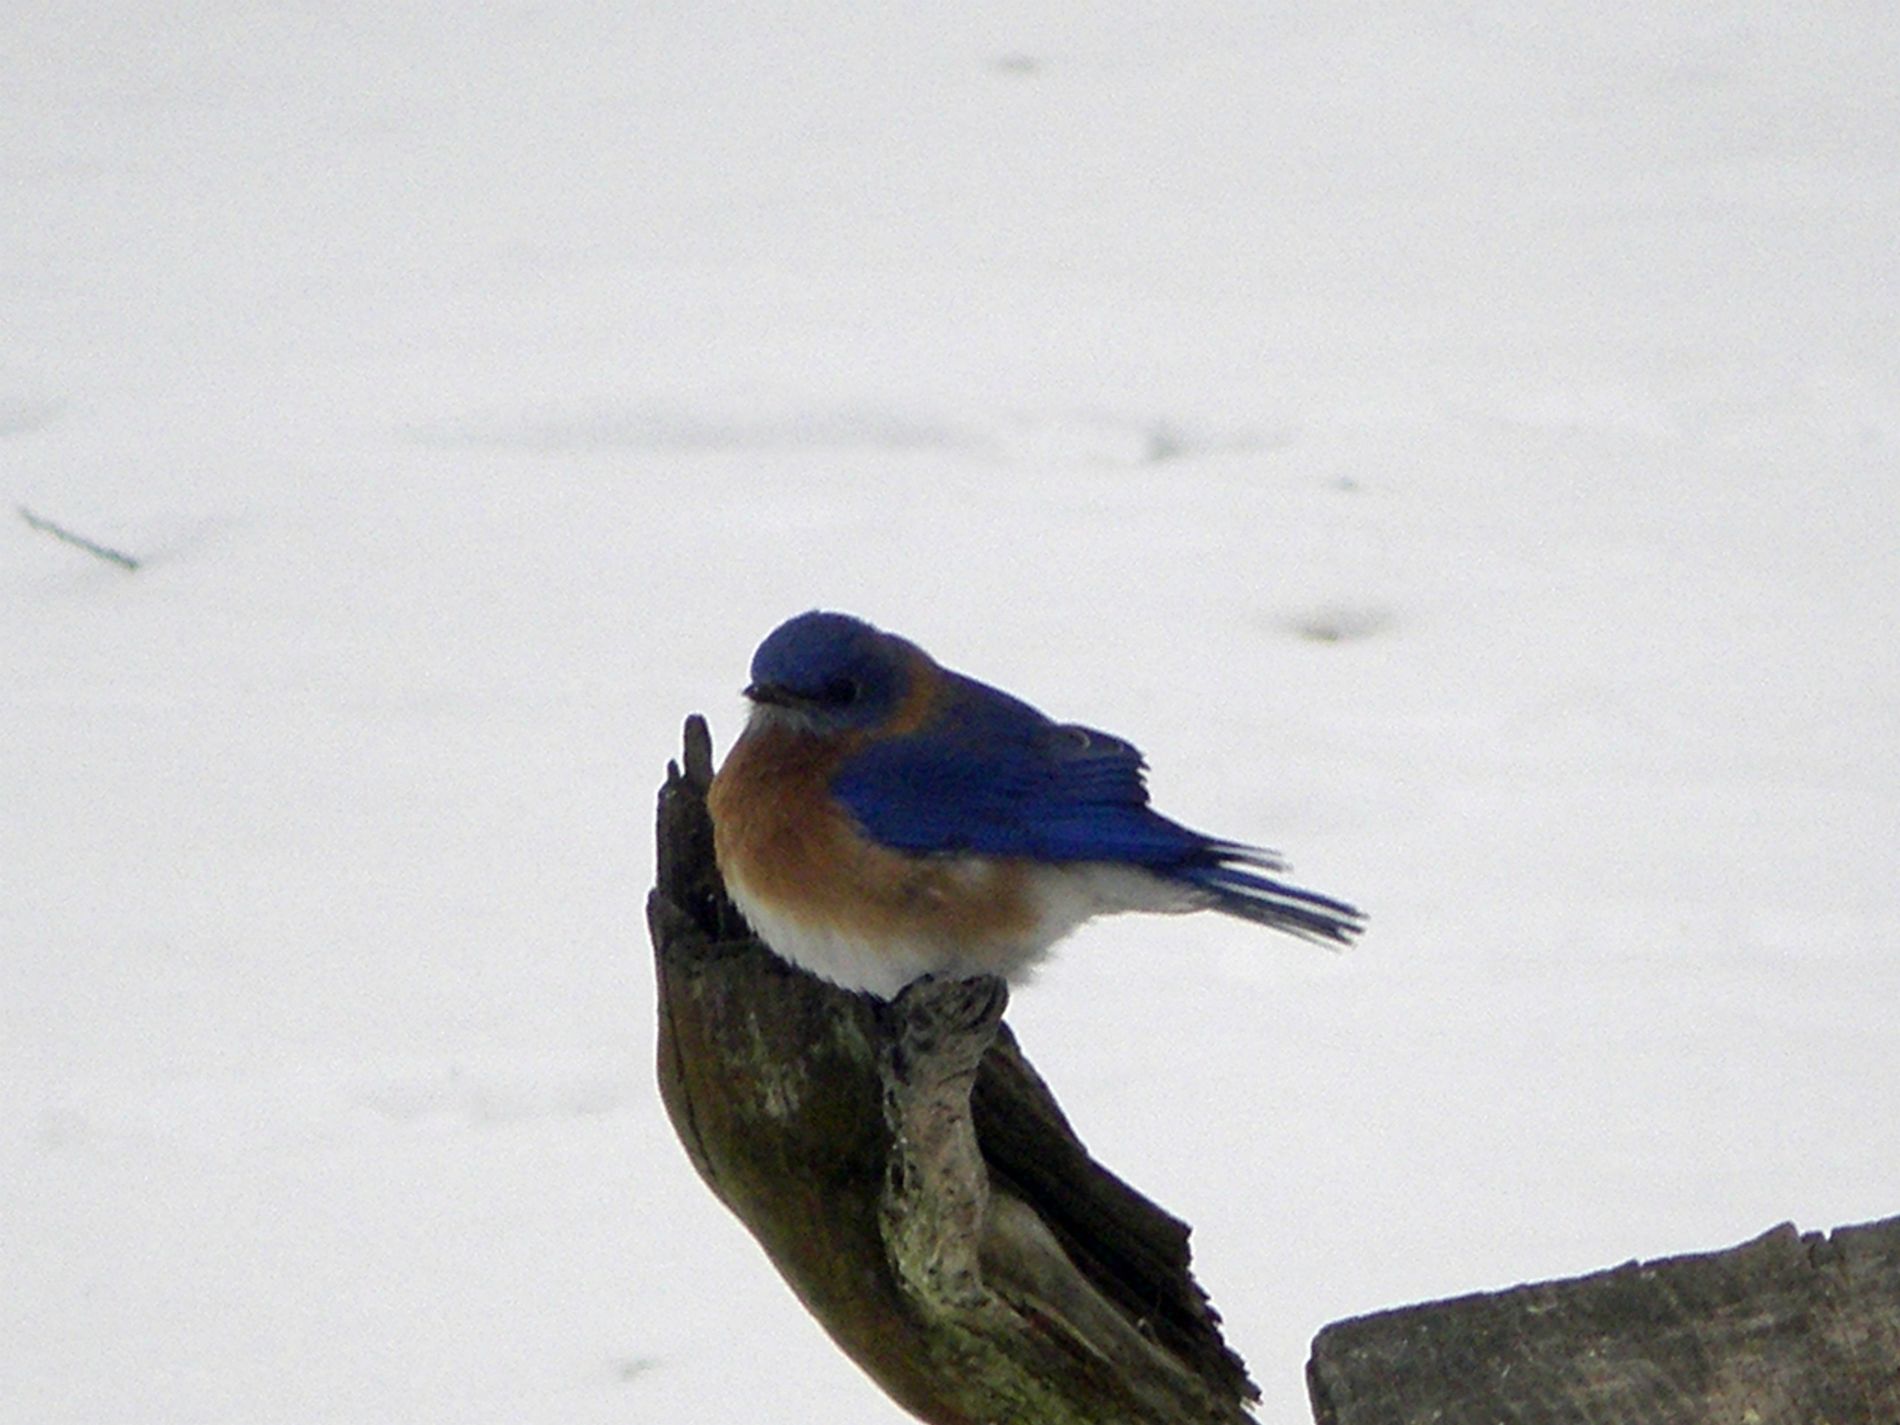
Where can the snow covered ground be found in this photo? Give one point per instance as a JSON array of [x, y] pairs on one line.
[[1460, 443]]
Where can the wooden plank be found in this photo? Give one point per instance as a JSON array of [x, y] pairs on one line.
[[1787, 1329]]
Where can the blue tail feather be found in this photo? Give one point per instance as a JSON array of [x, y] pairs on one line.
[[1239, 891]]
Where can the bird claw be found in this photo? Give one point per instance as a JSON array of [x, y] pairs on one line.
[[946, 1023]]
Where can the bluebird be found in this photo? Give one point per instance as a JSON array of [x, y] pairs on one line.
[[883, 818]]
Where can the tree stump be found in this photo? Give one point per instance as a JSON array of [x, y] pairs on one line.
[[1784, 1330], [913, 1179]]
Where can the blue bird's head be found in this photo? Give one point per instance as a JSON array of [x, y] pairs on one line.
[[825, 672]]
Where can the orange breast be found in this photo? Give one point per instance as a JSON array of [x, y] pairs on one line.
[[781, 839]]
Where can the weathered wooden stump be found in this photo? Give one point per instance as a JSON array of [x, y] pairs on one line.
[[913, 1179], [1784, 1330]]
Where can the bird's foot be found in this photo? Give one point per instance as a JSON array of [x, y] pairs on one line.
[[943, 1027]]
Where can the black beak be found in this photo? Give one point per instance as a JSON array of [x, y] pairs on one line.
[[773, 695]]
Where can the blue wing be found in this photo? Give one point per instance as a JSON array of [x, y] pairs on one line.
[[994, 776]]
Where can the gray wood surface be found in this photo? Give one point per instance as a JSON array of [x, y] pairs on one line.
[[1787, 1329]]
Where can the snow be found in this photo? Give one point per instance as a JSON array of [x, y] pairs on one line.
[[1458, 444]]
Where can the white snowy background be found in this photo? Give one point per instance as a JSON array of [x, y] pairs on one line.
[[1459, 442]]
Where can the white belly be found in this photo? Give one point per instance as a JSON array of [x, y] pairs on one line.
[[1064, 897]]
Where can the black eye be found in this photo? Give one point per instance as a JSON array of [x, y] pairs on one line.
[[841, 692]]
